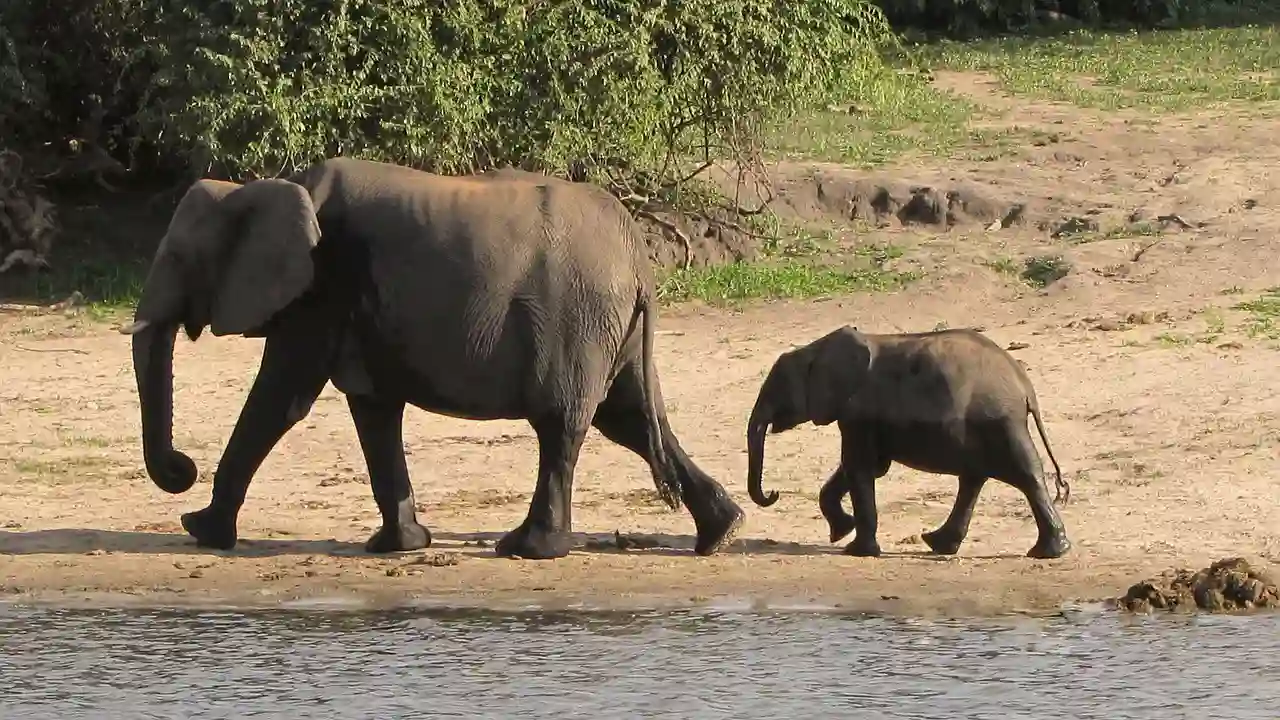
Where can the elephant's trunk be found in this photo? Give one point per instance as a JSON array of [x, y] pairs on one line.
[[169, 469], [757, 427]]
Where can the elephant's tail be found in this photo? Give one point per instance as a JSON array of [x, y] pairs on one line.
[[666, 479], [1061, 487]]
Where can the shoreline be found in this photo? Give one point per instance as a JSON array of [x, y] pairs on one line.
[[522, 605], [1154, 367], [261, 575]]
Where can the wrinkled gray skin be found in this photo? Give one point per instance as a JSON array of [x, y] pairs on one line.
[[506, 295], [949, 402]]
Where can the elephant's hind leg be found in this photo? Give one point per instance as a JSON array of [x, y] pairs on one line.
[[621, 418], [1026, 473], [946, 540], [545, 532], [379, 426]]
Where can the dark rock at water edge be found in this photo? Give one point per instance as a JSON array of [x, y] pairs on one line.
[[1228, 585]]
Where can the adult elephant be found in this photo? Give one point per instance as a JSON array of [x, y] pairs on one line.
[[504, 295]]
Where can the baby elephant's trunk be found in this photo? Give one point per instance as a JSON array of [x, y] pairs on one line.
[[757, 427]]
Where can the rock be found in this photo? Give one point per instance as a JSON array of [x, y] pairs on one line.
[[1073, 226], [1228, 585], [438, 559]]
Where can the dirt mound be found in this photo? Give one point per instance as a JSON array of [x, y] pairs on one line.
[[844, 195], [681, 240], [1226, 585], [826, 195]]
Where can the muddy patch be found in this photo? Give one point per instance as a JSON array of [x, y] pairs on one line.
[[1228, 585]]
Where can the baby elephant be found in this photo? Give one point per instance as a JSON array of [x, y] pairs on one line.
[[950, 402]]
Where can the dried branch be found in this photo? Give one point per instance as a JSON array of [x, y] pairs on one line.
[[671, 227]]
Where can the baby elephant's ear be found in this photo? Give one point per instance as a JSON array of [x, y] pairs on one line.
[[839, 369], [269, 264]]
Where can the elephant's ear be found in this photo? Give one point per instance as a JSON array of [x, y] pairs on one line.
[[269, 261], [839, 369], [194, 232]]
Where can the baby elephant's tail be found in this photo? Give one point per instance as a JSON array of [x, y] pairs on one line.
[[1062, 489]]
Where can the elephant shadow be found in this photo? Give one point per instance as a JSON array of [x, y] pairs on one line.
[[660, 544], [934, 557], [83, 541]]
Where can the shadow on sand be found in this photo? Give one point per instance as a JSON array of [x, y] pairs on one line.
[[78, 541]]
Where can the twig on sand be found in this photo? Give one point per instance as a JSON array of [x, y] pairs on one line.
[[78, 351]]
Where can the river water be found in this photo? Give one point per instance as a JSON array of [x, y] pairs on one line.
[[115, 664]]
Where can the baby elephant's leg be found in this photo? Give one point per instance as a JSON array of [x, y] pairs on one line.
[[1027, 474], [946, 540], [830, 498]]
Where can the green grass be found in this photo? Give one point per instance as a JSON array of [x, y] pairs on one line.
[[1043, 270], [109, 289], [899, 112], [1163, 70], [887, 115], [1004, 265], [789, 279], [1264, 315], [797, 263]]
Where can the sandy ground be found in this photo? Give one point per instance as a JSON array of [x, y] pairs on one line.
[[1166, 425]]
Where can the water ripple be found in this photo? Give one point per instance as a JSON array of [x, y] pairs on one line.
[[109, 664]]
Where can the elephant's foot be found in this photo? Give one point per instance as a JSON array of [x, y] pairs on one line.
[[840, 526], [399, 538], [942, 542], [1055, 546], [717, 526], [863, 548], [211, 528], [532, 543]]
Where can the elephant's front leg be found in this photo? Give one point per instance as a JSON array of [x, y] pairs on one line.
[[865, 517], [830, 498], [862, 466], [379, 426], [290, 378], [544, 534]]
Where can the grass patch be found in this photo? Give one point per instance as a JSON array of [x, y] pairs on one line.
[[790, 268], [108, 288], [898, 112], [1003, 265], [1129, 231], [57, 471], [889, 114], [1186, 339], [1264, 315], [1042, 270], [789, 279], [1167, 70]]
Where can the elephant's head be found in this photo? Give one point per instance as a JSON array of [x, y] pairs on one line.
[[807, 384], [232, 257]]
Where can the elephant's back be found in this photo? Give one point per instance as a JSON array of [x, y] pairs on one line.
[[490, 284], [956, 374]]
